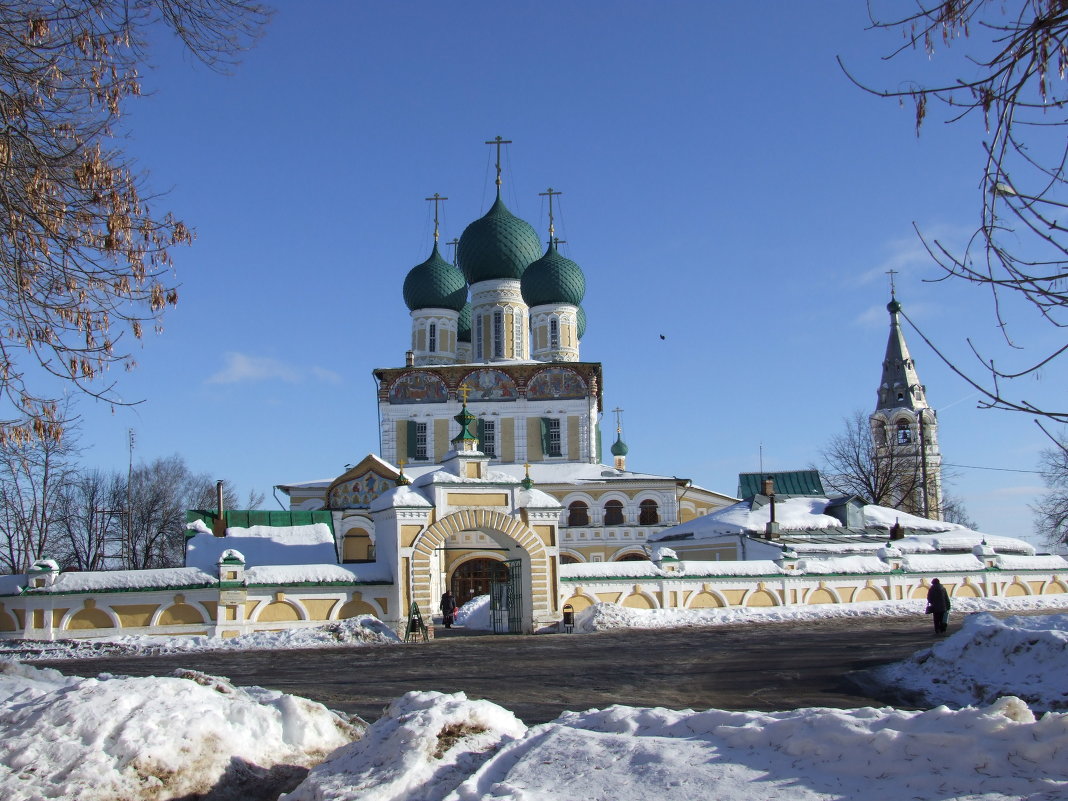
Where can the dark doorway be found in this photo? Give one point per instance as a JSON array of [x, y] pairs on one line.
[[473, 578]]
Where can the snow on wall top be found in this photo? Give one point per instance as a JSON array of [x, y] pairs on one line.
[[640, 569], [97, 580], [940, 562], [265, 545], [316, 574], [404, 495], [12, 585], [1044, 562]]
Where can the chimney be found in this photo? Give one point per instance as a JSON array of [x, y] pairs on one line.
[[409, 358], [220, 524], [769, 486]]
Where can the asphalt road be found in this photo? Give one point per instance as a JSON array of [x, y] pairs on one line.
[[770, 666]]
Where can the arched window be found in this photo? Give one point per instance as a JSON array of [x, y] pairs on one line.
[[554, 334], [633, 557], [578, 514], [904, 433], [648, 513], [613, 513], [433, 338], [568, 559]]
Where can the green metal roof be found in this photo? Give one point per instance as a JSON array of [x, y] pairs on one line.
[[463, 325], [435, 284], [791, 482], [497, 245], [581, 322], [553, 279]]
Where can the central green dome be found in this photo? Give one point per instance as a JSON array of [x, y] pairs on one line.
[[553, 279], [435, 284], [497, 245]]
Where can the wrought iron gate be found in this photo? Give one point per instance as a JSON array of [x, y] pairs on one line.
[[506, 598]]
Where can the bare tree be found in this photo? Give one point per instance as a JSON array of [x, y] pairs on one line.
[[84, 262], [1051, 513], [93, 521], [854, 466], [1010, 62], [33, 477]]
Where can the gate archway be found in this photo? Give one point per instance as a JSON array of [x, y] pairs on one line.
[[473, 578]]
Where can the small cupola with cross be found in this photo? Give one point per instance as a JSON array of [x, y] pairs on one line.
[[465, 459]]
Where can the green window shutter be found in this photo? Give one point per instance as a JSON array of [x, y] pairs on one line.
[[545, 435], [411, 440], [481, 434]]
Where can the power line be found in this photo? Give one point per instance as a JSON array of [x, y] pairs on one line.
[[1001, 469]]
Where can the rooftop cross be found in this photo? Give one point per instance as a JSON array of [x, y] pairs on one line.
[[464, 391], [498, 142], [454, 242], [619, 424], [549, 193], [892, 273], [437, 199]]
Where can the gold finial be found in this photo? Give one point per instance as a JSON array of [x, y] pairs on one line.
[[454, 243], [401, 464], [549, 193], [464, 391], [526, 466], [437, 199], [619, 423], [892, 273], [498, 142]]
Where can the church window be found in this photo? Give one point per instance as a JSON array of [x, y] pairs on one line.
[[550, 436], [568, 559], [613, 513], [498, 334], [578, 514], [904, 433], [420, 441], [478, 337], [554, 334], [517, 333], [487, 437], [433, 338], [648, 513]]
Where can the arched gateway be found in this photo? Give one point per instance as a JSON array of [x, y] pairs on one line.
[[531, 566]]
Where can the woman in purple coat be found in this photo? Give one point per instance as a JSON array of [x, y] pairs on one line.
[[938, 606]]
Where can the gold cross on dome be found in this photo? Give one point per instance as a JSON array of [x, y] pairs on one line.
[[436, 200], [464, 391], [498, 142], [550, 193]]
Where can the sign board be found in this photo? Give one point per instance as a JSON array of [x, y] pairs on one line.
[[232, 597]]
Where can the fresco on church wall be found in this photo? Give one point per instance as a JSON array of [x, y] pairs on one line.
[[490, 385], [418, 388], [556, 382], [359, 492]]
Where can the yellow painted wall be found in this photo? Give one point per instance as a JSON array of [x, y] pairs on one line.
[[820, 596], [355, 545], [180, 614], [401, 428], [762, 598], [441, 440], [572, 437], [7, 622], [87, 619], [278, 612], [506, 441], [637, 601], [705, 600], [133, 615], [408, 535], [547, 534], [534, 451], [319, 608], [57, 616], [477, 498]]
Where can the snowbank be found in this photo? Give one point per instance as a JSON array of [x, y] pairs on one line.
[[131, 738], [988, 658], [475, 614]]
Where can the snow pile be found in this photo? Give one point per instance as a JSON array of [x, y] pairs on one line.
[[989, 658], [843, 565], [475, 614], [356, 631], [98, 580], [316, 574], [264, 545], [940, 563], [606, 616], [423, 746], [130, 738]]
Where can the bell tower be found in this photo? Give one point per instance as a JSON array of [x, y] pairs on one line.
[[905, 428]]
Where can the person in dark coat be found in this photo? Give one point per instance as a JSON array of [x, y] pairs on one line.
[[938, 606], [448, 608]]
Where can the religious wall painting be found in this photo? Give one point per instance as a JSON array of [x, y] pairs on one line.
[[418, 388], [490, 385], [556, 382], [357, 493]]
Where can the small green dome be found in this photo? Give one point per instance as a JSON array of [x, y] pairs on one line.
[[497, 245], [463, 325], [553, 279], [581, 322], [435, 284], [893, 306], [619, 447]]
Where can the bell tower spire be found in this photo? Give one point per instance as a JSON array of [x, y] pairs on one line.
[[905, 427]]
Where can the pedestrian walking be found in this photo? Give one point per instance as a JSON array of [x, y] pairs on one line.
[[448, 608], [938, 606]]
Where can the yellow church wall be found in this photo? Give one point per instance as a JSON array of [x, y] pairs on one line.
[[547, 534], [441, 440], [401, 433], [319, 608], [408, 535], [88, 618], [573, 437], [761, 598], [477, 499], [180, 614], [534, 451], [134, 615], [7, 622], [278, 612], [57, 616], [637, 601], [506, 445]]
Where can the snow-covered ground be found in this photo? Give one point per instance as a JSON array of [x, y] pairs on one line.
[[162, 738]]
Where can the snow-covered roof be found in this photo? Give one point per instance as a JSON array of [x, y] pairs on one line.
[[402, 496], [103, 580], [12, 585], [940, 562], [317, 574], [1042, 562], [265, 545], [686, 568], [805, 515], [843, 564]]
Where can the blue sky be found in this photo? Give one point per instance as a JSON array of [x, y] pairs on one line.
[[725, 186]]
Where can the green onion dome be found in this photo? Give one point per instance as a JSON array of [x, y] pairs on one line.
[[581, 322], [553, 279], [435, 284], [893, 306], [463, 325], [497, 245], [619, 447]]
